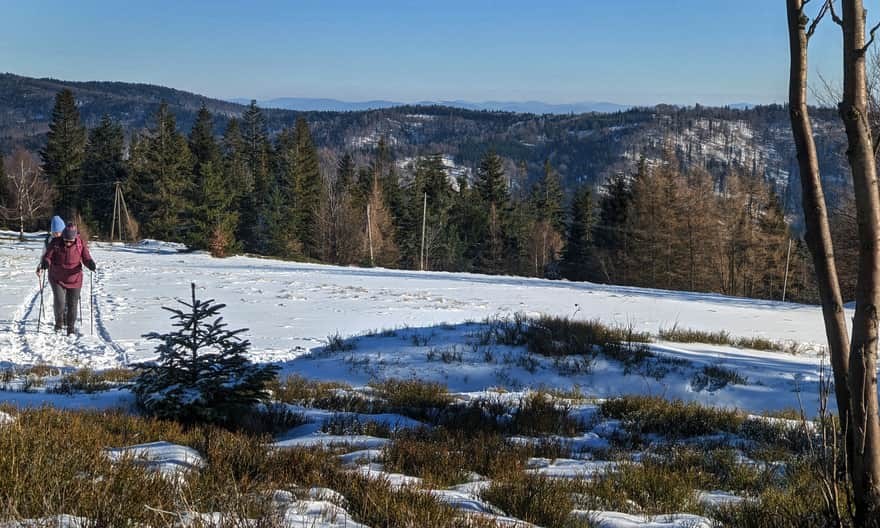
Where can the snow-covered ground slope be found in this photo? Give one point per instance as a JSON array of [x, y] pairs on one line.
[[291, 309]]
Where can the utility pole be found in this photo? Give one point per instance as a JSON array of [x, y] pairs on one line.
[[785, 279], [424, 219], [370, 234], [119, 208]]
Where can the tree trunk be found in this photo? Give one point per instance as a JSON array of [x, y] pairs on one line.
[[865, 470], [818, 232]]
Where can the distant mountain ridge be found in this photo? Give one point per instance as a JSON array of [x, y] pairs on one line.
[[304, 104], [584, 148]]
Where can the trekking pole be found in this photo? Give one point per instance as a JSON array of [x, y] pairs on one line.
[[40, 313], [80, 308], [92, 301]]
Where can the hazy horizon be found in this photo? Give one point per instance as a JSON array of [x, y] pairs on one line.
[[632, 53]]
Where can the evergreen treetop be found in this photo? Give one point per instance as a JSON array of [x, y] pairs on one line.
[[64, 152], [490, 183]]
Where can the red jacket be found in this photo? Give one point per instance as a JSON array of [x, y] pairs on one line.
[[65, 263]]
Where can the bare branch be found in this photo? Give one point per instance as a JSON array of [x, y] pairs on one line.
[[837, 20], [829, 94], [819, 16], [870, 40]]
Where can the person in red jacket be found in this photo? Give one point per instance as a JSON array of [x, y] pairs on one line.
[[64, 259]]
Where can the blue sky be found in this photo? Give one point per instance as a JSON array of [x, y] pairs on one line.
[[625, 51]]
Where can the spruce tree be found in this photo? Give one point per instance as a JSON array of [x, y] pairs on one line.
[[467, 220], [576, 256], [161, 178], [202, 374], [214, 215], [308, 189], [234, 163], [256, 155], [4, 184], [548, 197], [490, 183], [211, 213], [492, 189], [202, 144], [610, 233], [104, 165], [64, 153], [345, 173], [282, 217]]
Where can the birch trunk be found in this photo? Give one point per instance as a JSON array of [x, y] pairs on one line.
[[865, 470]]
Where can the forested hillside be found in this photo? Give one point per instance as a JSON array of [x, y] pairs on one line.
[[680, 198]]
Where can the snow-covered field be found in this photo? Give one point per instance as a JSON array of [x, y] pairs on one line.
[[291, 310], [361, 325]]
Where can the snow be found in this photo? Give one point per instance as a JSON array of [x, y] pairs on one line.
[[601, 519], [465, 501], [360, 456], [6, 418], [291, 309], [569, 468], [586, 442], [56, 521], [377, 472], [171, 460], [718, 498], [318, 514]]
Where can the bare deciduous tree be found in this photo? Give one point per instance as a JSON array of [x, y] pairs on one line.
[[855, 366], [29, 194]]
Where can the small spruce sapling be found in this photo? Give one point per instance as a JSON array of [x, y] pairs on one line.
[[202, 373]]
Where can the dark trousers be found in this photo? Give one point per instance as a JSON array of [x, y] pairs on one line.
[[65, 304]]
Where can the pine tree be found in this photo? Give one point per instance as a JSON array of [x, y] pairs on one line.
[[104, 165], [161, 178], [202, 374], [576, 257], [307, 190], [64, 153]]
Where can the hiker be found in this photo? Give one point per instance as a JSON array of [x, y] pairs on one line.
[[55, 228], [64, 259]]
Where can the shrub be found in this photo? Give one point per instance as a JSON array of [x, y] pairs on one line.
[[537, 499], [202, 374], [672, 418], [719, 337], [714, 377], [329, 395], [419, 399], [89, 381]]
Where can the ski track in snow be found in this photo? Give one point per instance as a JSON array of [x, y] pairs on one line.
[[29, 337]]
